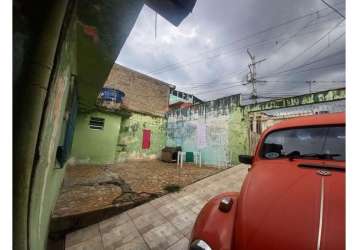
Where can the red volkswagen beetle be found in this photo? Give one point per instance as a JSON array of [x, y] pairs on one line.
[[293, 196]]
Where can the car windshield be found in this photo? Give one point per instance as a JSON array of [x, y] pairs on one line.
[[313, 142]]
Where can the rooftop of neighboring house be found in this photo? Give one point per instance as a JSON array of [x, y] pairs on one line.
[[177, 96], [127, 89]]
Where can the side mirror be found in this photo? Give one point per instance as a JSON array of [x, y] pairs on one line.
[[246, 159]]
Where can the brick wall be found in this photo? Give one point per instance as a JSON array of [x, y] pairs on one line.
[[144, 94]]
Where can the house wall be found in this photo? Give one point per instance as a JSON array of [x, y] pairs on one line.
[[48, 173], [120, 139], [131, 137], [210, 128], [95, 145], [143, 94], [220, 129], [50, 57]]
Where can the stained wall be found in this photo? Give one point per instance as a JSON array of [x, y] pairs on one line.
[[220, 129]]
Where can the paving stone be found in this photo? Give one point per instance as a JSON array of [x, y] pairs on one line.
[[136, 244], [107, 225], [162, 237], [180, 245], [90, 244], [197, 208], [172, 209], [148, 221], [159, 202], [178, 195], [120, 235], [187, 200], [140, 210], [184, 222], [82, 235], [164, 223]]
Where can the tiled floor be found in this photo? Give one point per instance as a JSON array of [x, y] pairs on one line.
[[164, 223]]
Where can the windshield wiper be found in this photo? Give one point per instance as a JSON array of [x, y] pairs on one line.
[[296, 154]]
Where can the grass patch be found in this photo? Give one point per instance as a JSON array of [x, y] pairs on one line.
[[171, 188]]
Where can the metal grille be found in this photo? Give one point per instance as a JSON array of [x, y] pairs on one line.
[[96, 123]]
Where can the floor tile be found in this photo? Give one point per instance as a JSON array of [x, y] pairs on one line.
[[120, 235], [180, 245], [136, 244], [149, 221], [162, 236], [82, 235]]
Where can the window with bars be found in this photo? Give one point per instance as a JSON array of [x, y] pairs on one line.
[[96, 123]]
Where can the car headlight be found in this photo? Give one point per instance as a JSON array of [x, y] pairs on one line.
[[199, 245]]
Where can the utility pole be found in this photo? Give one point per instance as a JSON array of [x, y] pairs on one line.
[[310, 85], [252, 75]]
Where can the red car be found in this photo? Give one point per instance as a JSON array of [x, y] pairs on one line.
[[293, 196]]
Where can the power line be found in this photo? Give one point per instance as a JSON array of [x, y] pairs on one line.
[[248, 36], [281, 72], [304, 65], [311, 46], [231, 52], [330, 6], [243, 83], [322, 67]]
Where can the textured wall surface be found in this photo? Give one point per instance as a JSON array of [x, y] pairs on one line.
[[48, 174], [220, 128], [208, 128], [131, 135], [120, 139], [96, 145], [144, 94]]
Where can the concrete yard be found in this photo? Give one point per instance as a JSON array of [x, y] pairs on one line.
[[163, 223]]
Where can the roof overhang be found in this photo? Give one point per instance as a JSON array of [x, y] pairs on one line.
[[102, 29]]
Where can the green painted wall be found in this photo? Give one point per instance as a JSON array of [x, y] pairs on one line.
[[120, 140], [226, 124], [47, 174], [95, 145], [131, 136], [238, 134]]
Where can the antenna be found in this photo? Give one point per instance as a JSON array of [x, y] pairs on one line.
[[251, 77]]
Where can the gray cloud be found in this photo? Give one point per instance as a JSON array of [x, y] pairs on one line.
[[205, 55]]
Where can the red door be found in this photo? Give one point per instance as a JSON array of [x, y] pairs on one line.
[[146, 139]]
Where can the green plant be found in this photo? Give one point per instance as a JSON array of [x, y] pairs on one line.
[[172, 188]]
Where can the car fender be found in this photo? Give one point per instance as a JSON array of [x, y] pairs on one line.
[[214, 226]]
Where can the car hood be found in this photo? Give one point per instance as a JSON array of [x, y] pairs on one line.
[[283, 206]]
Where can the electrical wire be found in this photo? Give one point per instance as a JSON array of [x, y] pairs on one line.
[[249, 36], [310, 46], [234, 51]]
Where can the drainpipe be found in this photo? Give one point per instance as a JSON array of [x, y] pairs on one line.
[[28, 112]]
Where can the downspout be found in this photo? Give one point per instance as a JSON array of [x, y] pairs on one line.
[[27, 118]]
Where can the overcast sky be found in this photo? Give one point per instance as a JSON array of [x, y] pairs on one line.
[[206, 54]]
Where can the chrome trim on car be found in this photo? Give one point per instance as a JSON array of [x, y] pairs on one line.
[[199, 245], [320, 215]]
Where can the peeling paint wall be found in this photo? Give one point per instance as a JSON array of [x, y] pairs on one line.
[[119, 140], [206, 128], [220, 128], [131, 136]]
